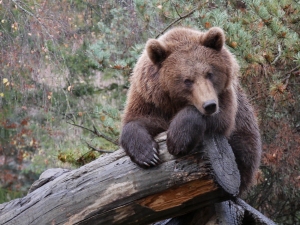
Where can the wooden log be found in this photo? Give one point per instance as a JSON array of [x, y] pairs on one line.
[[113, 190]]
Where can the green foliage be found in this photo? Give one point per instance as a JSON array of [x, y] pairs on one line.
[[7, 195], [78, 64]]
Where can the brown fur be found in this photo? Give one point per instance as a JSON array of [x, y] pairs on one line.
[[186, 83]]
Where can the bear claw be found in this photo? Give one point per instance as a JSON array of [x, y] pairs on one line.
[[156, 157], [155, 161], [146, 164]]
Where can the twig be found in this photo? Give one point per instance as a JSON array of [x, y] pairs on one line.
[[96, 149], [104, 136], [278, 56], [287, 78], [32, 15], [19, 4], [176, 9], [181, 17], [96, 132]]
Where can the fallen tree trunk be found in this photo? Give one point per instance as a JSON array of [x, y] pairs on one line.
[[113, 190]]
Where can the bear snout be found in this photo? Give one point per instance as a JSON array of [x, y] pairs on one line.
[[210, 107]]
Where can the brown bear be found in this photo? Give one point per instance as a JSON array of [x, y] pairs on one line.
[[186, 83]]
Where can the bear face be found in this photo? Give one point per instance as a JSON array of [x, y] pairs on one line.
[[194, 80], [189, 67]]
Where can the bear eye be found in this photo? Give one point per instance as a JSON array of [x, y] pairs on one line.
[[209, 75], [188, 82]]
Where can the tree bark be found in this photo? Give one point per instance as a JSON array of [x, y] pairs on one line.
[[113, 190]]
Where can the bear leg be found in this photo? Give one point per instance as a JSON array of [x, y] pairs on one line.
[[245, 142], [139, 144], [185, 131]]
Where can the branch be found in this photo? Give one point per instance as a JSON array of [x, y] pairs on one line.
[[104, 136], [32, 15], [96, 132], [176, 9], [278, 56], [96, 149], [181, 17], [287, 78]]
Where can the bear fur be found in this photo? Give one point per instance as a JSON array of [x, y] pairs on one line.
[[186, 83]]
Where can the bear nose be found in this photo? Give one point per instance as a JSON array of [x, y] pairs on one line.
[[210, 107]]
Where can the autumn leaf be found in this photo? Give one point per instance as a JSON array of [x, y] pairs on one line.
[[5, 81], [207, 25], [260, 25], [118, 67], [24, 122], [277, 90], [49, 95], [233, 44]]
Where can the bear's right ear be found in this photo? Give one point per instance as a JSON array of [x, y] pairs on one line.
[[156, 51]]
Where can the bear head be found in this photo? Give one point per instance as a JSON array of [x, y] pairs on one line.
[[192, 67]]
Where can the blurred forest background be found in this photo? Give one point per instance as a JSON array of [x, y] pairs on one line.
[[64, 69]]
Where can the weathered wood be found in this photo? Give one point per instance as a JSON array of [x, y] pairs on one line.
[[113, 190], [232, 212], [224, 167], [252, 215]]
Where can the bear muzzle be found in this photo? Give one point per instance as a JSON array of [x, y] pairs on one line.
[[204, 97], [210, 107]]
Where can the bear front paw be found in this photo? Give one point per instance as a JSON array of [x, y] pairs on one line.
[[150, 160], [145, 155], [185, 131], [180, 144], [139, 145]]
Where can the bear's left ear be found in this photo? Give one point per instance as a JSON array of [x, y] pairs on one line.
[[157, 52], [213, 38]]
